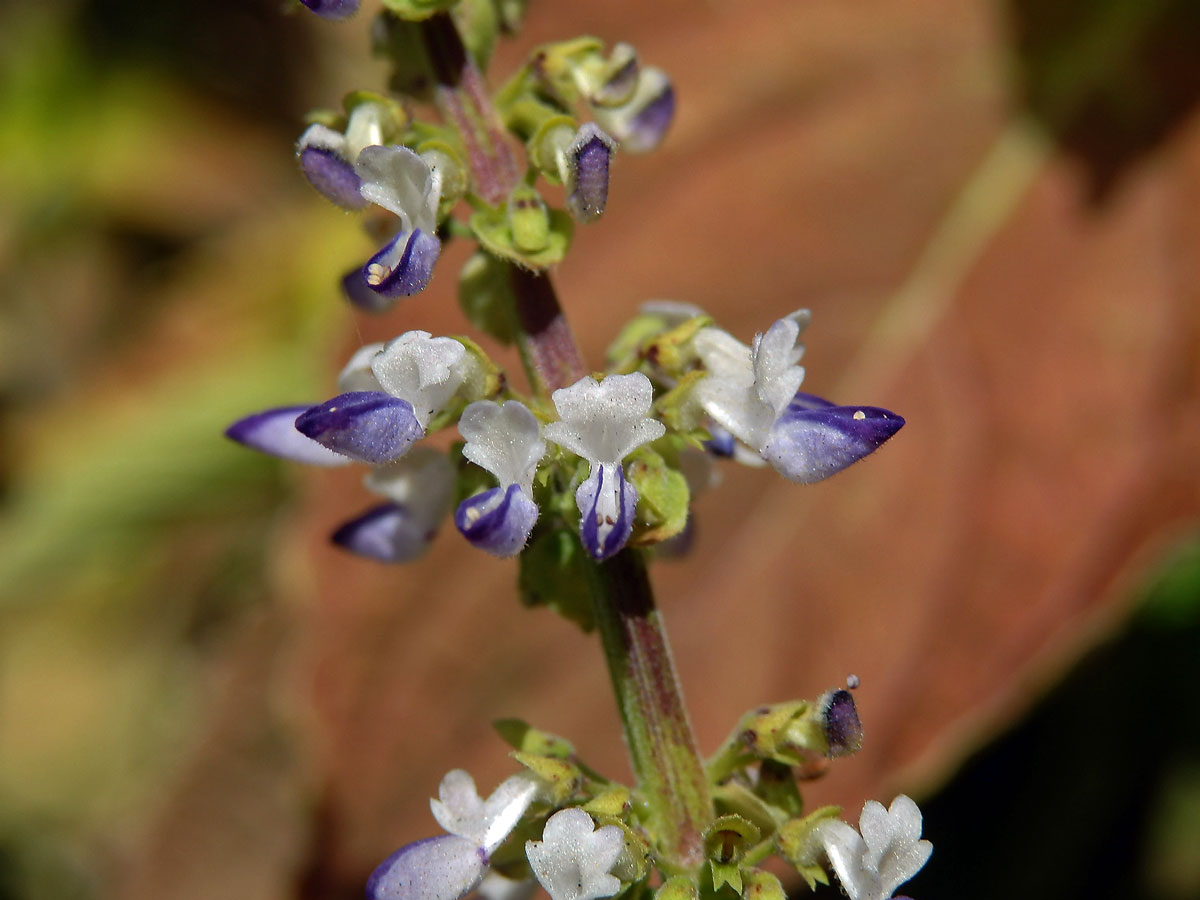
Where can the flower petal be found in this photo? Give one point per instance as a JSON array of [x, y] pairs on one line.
[[424, 370], [446, 867], [808, 445], [370, 426], [388, 533], [498, 521], [274, 431], [397, 179], [321, 152], [402, 268], [606, 502], [573, 858], [505, 440]]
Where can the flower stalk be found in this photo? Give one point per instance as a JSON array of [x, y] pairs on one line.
[[665, 758]]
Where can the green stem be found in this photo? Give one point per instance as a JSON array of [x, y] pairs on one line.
[[663, 749]]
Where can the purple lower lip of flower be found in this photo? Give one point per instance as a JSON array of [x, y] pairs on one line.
[[332, 176], [361, 294], [388, 533], [840, 722], [369, 426], [332, 9], [446, 867], [274, 431], [404, 266], [498, 521], [604, 527], [809, 445]]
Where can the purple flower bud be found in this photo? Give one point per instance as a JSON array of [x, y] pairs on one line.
[[332, 9], [370, 426], [588, 159], [389, 533], [810, 444], [446, 867], [274, 431], [839, 721], [498, 521], [606, 502], [404, 266], [321, 152]]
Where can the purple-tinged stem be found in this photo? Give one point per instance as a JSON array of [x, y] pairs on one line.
[[670, 775], [461, 97], [548, 349]]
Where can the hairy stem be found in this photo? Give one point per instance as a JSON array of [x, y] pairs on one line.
[[666, 761], [548, 349]]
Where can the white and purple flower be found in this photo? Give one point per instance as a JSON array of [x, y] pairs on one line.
[[604, 422], [452, 865], [506, 441], [753, 394]]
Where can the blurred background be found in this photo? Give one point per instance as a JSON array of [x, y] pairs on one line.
[[993, 210]]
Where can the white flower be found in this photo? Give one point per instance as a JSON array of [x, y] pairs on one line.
[[572, 861], [604, 422], [450, 866], [887, 853], [505, 440], [748, 388], [460, 810], [400, 181]]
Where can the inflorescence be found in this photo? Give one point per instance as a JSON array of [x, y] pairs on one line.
[[573, 470]]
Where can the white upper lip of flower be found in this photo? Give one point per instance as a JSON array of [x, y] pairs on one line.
[[887, 853], [504, 440], [605, 421], [397, 179], [748, 388], [573, 858], [424, 370], [487, 823]]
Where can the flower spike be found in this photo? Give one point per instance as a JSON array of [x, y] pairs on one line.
[[887, 853], [604, 422], [504, 440], [573, 858]]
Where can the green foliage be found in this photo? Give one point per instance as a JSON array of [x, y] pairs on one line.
[[554, 573]]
